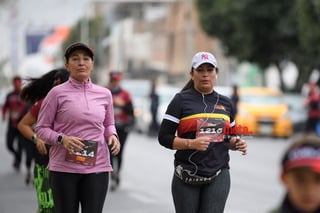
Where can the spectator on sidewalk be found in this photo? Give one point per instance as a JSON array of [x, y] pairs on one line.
[[154, 105], [312, 103], [235, 98]]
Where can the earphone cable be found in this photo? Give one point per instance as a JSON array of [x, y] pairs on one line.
[[194, 152]]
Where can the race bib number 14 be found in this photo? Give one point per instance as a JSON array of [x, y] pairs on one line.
[[87, 156]]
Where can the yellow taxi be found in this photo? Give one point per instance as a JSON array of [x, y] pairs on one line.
[[263, 111]]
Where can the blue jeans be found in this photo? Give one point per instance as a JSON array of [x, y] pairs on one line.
[[206, 198]]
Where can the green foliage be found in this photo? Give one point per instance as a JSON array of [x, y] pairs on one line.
[[96, 32], [265, 32], [251, 30]]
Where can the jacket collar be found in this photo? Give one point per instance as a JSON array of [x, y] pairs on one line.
[[78, 84]]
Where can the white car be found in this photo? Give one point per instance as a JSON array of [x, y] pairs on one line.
[[139, 90], [166, 93]]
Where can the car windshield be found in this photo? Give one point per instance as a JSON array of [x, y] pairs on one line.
[[262, 99], [137, 88]]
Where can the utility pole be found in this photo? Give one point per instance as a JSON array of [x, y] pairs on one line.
[[189, 29], [84, 24], [14, 40]]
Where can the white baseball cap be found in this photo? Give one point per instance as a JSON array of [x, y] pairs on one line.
[[203, 57]]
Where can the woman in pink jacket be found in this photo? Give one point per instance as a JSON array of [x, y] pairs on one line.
[[77, 119]]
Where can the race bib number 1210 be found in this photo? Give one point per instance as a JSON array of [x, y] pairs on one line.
[[212, 127]]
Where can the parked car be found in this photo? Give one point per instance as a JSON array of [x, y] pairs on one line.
[[264, 112], [139, 91], [297, 111], [166, 93]]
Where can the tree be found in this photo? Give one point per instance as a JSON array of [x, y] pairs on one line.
[[265, 32], [308, 13], [97, 31]]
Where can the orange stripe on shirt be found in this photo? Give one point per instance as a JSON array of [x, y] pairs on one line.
[[189, 123]]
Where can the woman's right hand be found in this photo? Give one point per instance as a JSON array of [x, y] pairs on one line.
[[200, 143]]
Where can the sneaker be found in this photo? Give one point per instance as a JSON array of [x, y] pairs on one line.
[[28, 178], [115, 181], [16, 165]]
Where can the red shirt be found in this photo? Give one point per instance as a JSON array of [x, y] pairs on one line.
[[34, 111], [313, 102], [123, 114], [16, 107]]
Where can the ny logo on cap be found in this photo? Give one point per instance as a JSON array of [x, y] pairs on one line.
[[204, 57]]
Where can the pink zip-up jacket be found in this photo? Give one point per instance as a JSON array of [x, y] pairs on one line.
[[77, 109]]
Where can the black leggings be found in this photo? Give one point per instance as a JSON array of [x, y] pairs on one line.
[[23, 144], [31, 150], [70, 189], [116, 161], [12, 134]]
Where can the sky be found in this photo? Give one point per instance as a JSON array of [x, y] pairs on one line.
[[20, 16], [50, 12]]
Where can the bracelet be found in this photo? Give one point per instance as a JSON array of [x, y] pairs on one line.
[[34, 138]]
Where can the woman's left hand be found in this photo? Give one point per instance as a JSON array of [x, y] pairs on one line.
[[114, 144], [239, 144], [41, 147]]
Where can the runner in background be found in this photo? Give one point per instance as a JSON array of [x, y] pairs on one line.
[[15, 107], [124, 119], [34, 93]]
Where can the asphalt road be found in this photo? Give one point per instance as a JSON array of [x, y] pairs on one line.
[[146, 177]]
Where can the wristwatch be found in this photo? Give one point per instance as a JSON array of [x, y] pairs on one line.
[[34, 138], [60, 139]]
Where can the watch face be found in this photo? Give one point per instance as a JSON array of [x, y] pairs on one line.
[[34, 138], [60, 137]]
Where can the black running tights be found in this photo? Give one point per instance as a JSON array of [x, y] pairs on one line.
[[70, 189]]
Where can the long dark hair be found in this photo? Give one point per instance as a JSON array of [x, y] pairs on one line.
[[189, 84], [38, 88]]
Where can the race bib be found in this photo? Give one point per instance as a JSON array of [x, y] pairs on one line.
[[87, 156], [212, 127], [15, 115]]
